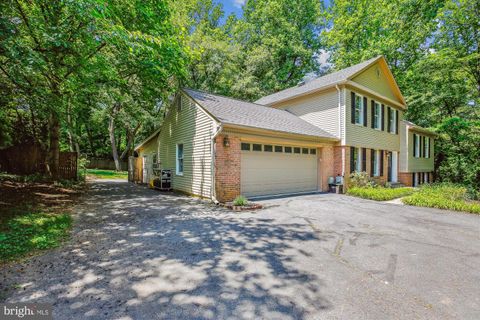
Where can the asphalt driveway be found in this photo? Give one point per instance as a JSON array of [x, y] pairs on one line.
[[139, 254]]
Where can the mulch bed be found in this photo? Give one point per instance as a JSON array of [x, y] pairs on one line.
[[247, 207], [18, 198]]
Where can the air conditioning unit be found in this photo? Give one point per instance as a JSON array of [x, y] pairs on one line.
[[164, 181]]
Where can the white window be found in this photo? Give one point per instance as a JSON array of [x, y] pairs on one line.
[[393, 120], [359, 109], [417, 146], [377, 116], [376, 163], [179, 157], [427, 147], [357, 159]]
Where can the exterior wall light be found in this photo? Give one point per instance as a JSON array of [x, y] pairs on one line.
[[226, 142]]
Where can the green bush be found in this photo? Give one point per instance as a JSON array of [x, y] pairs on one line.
[[240, 201], [361, 179], [443, 196], [379, 193], [34, 231]]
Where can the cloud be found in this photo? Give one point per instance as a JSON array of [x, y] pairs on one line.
[[239, 3]]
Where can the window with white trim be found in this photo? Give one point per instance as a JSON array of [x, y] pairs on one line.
[[377, 116], [179, 159], [427, 147], [376, 163], [359, 109], [393, 120], [357, 161], [417, 146]]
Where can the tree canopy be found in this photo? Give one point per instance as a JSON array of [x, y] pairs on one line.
[[95, 77]]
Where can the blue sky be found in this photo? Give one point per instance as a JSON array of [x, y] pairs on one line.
[[235, 6]]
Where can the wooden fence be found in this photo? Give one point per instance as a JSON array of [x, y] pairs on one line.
[[30, 159]]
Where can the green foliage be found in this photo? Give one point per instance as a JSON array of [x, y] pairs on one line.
[[379, 193], [361, 179], [240, 201], [443, 196], [31, 232], [107, 174]]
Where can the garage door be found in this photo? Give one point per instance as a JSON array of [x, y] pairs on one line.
[[275, 169]]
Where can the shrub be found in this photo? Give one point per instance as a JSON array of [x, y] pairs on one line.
[[361, 179], [443, 196], [240, 201], [379, 193]]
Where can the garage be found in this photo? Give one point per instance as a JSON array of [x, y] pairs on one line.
[[277, 169]]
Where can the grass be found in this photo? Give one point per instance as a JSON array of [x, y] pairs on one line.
[[443, 196], [379, 193], [31, 232], [107, 174], [240, 201]]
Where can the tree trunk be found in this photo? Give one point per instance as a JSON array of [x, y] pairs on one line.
[[111, 132], [54, 147]]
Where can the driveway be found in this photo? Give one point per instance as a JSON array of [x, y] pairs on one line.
[[139, 254]]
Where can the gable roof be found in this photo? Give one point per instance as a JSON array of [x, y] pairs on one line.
[[326, 81], [150, 137], [246, 114], [413, 126]]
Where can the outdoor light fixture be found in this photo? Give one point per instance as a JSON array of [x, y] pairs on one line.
[[226, 142]]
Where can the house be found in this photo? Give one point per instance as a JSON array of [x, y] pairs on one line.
[[291, 141]]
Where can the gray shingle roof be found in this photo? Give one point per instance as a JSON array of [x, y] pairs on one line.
[[242, 113], [327, 80]]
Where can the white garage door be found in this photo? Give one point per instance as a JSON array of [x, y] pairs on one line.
[[276, 169]]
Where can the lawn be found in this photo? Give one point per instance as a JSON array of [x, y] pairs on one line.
[[107, 174], [379, 193], [31, 232], [443, 196]]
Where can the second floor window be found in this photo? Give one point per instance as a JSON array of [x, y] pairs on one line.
[[359, 109], [377, 116], [427, 147], [392, 120], [416, 145]]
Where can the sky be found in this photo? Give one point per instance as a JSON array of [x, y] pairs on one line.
[[235, 6]]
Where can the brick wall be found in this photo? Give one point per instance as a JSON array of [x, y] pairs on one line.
[[227, 168], [327, 165], [406, 178]]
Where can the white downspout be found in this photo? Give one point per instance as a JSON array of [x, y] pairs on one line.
[[212, 188], [341, 121]]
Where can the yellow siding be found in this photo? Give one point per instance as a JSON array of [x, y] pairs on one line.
[[147, 150], [375, 79], [192, 127], [319, 109], [419, 164], [404, 151], [366, 137]]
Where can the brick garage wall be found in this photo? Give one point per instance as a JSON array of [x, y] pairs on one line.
[[327, 165], [227, 168], [406, 178]]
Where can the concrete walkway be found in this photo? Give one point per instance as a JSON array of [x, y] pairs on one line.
[[139, 254]]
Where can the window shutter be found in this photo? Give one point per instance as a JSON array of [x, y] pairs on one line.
[[352, 159], [364, 159], [429, 147], [382, 117], [413, 179], [396, 121], [365, 111], [353, 107], [414, 144], [424, 147], [372, 162], [373, 114], [381, 163], [389, 115]]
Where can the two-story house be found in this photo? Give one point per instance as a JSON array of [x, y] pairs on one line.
[[292, 141]]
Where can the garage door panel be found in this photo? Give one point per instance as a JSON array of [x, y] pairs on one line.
[[265, 173]]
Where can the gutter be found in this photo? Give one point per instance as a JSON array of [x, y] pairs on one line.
[[212, 167]]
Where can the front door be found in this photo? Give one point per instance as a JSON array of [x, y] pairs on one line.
[[389, 161]]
